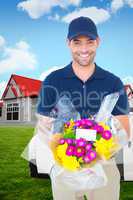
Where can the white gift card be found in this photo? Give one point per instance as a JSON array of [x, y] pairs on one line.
[[87, 134]]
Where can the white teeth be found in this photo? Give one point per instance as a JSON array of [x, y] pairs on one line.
[[84, 55]]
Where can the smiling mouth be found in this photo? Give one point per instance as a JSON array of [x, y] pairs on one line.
[[84, 55]]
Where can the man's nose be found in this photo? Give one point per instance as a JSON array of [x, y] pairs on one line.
[[84, 48]]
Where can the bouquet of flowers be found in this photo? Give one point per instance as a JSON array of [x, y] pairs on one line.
[[80, 146], [82, 143]]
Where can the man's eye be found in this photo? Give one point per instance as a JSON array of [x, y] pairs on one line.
[[76, 42], [90, 41]]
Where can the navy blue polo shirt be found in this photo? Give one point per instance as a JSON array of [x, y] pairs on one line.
[[85, 96]]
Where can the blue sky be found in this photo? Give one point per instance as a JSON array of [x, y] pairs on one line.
[[33, 35]]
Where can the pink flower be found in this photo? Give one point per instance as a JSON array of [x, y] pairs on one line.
[[69, 141], [62, 141], [89, 122], [86, 159], [78, 123], [79, 151], [92, 155], [81, 142], [98, 128], [88, 147], [83, 121], [70, 150], [67, 124], [106, 135]]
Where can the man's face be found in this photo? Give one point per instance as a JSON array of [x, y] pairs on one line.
[[83, 50]]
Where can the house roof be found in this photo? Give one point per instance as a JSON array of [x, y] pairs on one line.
[[27, 86], [129, 90]]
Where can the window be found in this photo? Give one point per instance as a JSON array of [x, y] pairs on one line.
[[0, 112], [13, 111]]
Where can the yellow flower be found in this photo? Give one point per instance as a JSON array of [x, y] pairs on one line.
[[61, 150], [70, 163], [72, 123], [106, 127], [106, 148]]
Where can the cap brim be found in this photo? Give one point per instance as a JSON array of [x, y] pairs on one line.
[[90, 35]]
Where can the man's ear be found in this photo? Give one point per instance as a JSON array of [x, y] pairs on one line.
[[98, 41], [68, 42]]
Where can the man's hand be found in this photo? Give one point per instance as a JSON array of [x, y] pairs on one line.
[[44, 128], [124, 120]]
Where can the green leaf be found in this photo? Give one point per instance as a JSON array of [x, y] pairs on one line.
[[85, 197], [98, 136]]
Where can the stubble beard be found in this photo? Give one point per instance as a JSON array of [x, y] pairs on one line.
[[84, 63]]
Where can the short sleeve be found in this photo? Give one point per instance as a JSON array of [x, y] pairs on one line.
[[122, 105], [47, 98]]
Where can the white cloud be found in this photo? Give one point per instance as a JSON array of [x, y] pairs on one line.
[[37, 8], [46, 73], [130, 3], [56, 17], [23, 45], [128, 80], [75, 2], [16, 58], [66, 3], [118, 4], [97, 15], [2, 42], [2, 87]]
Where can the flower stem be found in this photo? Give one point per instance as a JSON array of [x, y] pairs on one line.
[[85, 197]]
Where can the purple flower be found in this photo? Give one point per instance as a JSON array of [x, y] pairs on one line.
[[69, 141], [78, 123], [74, 127], [62, 141], [89, 122], [83, 121], [79, 152], [81, 142], [98, 128], [67, 124], [88, 147], [70, 150], [86, 159], [106, 135], [92, 155]]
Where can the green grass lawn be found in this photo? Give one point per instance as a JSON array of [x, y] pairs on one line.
[[15, 181]]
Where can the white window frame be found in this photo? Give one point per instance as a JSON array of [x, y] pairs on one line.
[[12, 106]]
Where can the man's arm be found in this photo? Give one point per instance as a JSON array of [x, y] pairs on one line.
[[121, 110], [44, 128], [124, 120], [44, 122]]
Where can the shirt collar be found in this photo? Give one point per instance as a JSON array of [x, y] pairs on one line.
[[98, 73]]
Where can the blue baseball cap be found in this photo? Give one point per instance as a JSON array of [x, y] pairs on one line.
[[82, 26]]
